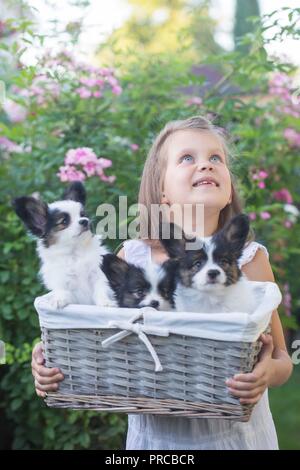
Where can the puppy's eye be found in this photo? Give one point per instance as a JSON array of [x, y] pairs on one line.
[[63, 221], [197, 264], [82, 214], [138, 293]]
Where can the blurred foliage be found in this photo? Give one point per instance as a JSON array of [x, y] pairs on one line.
[[284, 401], [158, 26], [110, 124], [244, 10]]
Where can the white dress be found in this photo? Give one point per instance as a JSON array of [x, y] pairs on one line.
[[151, 432]]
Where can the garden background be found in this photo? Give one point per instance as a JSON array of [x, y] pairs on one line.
[[92, 116]]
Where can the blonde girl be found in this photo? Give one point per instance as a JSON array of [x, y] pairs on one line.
[[182, 152]]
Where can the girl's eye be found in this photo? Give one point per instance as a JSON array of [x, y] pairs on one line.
[[187, 158], [216, 158]]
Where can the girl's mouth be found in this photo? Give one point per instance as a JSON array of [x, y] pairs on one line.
[[205, 183]]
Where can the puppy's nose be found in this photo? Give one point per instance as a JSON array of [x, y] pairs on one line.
[[154, 303], [84, 222], [213, 273]]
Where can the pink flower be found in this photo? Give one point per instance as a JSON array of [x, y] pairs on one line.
[[283, 195], [265, 215], [81, 155], [90, 168], [9, 145], [100, 82], [104, 162], [69, 173], [108, 179], [134, 147], [83, 92], [15, 112], [261, 185], [292, 137], [287, 299], [90, 82], [97, 94], [113, 81], [280, 80], [195, 100], [263, 174], [288, 223], [106, 72], [252, 215], [87, 160], [281, 86], [116, 90]]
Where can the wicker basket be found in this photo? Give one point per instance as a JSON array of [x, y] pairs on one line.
[[145, 361]]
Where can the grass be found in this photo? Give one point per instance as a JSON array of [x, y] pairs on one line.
[[285, 407]]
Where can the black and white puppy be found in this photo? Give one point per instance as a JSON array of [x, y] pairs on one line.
[[70, 254], [209, 279], [136, 287]]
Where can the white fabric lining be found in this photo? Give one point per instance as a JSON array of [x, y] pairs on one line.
[[233, 326]]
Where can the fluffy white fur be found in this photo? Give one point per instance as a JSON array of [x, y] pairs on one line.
[[202, 297], [70, 267], [238, 297]]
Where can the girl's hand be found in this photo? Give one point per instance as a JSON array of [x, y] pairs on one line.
[[46, 379], [250, 387]]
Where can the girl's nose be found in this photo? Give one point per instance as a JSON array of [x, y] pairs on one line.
[[204, 166]]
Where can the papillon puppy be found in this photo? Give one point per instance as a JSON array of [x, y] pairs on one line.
[[208, 278], [136, 287], [70, 254]]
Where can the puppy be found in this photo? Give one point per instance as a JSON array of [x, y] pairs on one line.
[[70, 254], [208, 279], [136, 287]]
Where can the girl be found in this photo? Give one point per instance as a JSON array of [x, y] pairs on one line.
[[183, 152]]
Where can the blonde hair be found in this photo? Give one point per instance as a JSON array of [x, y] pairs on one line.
[[151, 186]]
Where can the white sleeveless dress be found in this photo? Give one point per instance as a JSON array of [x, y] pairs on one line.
[[150, 432]]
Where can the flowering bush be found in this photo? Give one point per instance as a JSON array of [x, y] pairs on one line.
[[65, 121], [88, 161]]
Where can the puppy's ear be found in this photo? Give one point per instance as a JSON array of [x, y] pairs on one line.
[[115, 269], [168, 283], [173, 239], [75, 192], [34, 214], [235, 233]]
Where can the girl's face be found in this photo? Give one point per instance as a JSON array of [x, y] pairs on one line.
[[193, 155]]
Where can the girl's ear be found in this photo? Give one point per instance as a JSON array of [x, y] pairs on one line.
[[164, 199]]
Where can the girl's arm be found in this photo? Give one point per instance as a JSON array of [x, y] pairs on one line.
[[275, 366]]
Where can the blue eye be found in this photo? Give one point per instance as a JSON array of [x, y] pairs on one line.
[[216, 156], [187, 158]]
